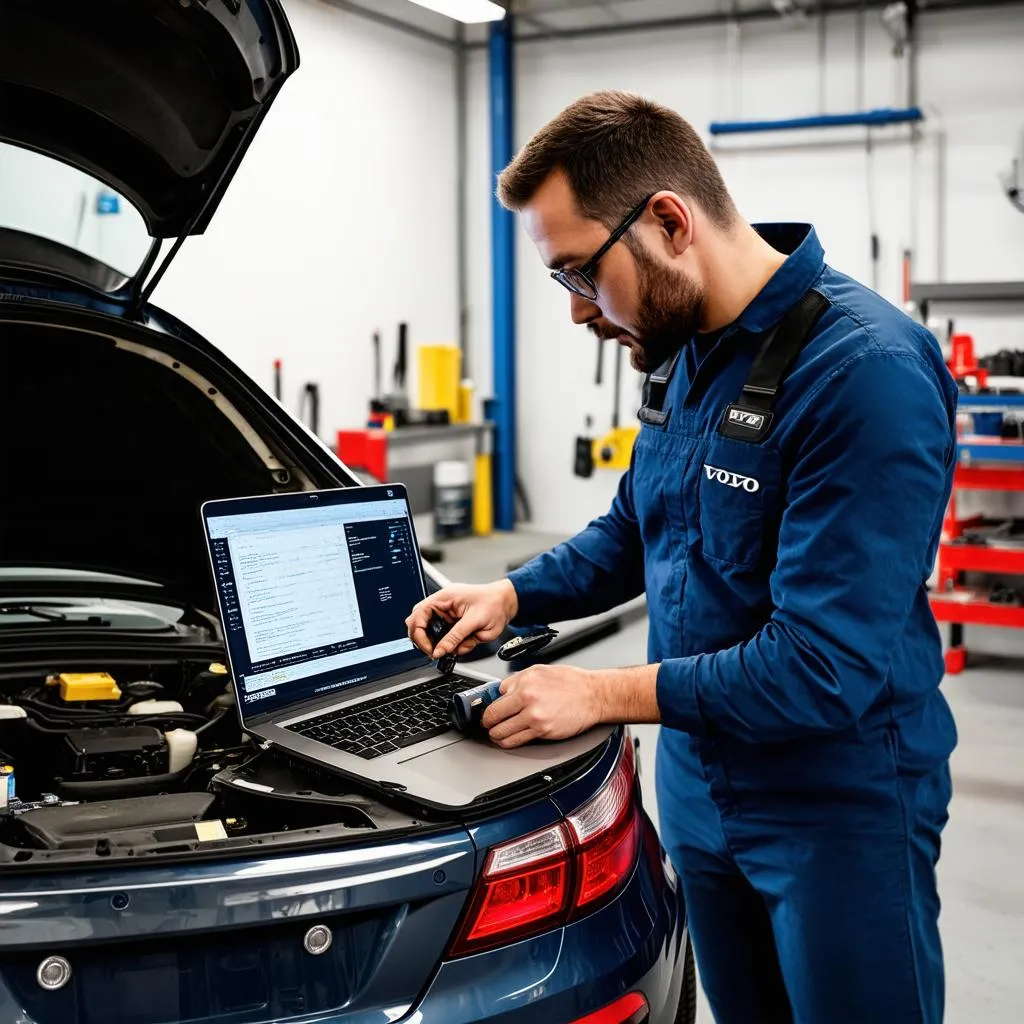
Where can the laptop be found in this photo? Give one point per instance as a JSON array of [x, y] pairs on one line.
[[314, 589]]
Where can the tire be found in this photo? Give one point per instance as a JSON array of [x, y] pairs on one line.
[[687, 1011]]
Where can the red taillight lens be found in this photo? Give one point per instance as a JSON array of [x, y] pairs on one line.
[[520, 902], [524, 891], [606, 831], [630, 1009], [541, 881], [607, 864]]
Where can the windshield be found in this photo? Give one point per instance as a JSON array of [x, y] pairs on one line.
[[44, 197]]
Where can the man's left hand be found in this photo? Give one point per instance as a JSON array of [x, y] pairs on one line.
[[547, 702]]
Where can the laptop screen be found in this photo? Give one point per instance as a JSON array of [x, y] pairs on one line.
[[314, 590]]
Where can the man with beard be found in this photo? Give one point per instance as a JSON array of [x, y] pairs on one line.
[[782, 512]]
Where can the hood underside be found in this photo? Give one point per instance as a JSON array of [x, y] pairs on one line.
[[158, 98], [110, 455]]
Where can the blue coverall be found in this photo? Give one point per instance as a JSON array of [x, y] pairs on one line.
[[802, 769]]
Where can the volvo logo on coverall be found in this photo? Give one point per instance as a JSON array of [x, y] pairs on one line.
[[725, 476], [754, 420]]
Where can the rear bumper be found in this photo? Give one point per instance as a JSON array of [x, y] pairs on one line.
[[634, 944]]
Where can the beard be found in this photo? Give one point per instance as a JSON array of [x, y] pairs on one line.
[[671, 305]]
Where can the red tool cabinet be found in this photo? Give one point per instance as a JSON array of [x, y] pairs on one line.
[[1001, 469]]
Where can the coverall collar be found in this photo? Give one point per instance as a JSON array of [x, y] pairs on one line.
[[805, 260]]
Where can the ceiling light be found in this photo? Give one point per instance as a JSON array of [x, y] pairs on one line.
[[472, 12]]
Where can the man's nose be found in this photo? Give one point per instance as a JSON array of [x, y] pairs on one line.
[[583, 310]]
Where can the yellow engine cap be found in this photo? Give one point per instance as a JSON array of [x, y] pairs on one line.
[[84, 686]]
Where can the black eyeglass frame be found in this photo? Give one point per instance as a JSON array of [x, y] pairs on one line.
[[580, 280]]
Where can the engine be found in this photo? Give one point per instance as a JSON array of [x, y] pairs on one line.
[[85, 736], [152, 758]]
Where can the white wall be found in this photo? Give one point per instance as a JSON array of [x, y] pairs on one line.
[[971, 82], [40, 196], [340, 221]]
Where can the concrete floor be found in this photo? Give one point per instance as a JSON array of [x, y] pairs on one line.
[[981, 871]]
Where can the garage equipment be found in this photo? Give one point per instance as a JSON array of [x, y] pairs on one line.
[[986, 461], [368, 452], [438, 379], [614, 449]]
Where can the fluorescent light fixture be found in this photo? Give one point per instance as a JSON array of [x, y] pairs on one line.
[[472, 12]]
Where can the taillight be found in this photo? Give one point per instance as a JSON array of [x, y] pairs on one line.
[[544, 880], [630, 1009], [606, 830], [524, 890]]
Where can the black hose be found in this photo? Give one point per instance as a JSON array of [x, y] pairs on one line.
[[211, 721], [101, 789]]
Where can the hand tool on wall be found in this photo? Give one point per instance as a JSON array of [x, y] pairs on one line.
[[310, 398], [612, 450]]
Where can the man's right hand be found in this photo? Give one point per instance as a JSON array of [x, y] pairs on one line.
[[480, 612]]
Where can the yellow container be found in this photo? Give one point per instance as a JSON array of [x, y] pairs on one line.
[[483, 507], [465, 402], [438, 371]]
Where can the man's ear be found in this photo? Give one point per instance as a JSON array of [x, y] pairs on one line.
[[675, 221]]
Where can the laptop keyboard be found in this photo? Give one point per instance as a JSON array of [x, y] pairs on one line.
[[379, 726]]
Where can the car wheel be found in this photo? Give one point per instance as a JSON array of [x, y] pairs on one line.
[[687, 1012]]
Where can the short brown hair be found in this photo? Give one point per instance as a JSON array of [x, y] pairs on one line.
[[615, 148]]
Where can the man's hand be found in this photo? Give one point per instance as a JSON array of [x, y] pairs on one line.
[[557, 702], [480, 612], [546, 702]]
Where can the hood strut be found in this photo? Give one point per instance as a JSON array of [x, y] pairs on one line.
[[135, 297]]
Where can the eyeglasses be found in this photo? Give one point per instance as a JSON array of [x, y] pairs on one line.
[[580, 280]]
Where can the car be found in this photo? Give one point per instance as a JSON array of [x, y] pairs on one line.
[[155, 864]]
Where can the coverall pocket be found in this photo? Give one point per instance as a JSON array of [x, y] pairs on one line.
[[739, 487]]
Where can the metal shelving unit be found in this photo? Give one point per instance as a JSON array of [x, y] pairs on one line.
[[966, 292], [1003, 471]]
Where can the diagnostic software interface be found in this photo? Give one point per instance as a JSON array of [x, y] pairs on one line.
[[311, 596]]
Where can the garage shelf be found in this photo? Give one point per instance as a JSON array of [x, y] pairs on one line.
[[984, 463], [981, 478], [991, 402], [967, 292], [981, 558], [970, 606], [973, 448]]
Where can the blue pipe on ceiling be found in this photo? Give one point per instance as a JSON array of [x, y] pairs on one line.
[[868, 118]]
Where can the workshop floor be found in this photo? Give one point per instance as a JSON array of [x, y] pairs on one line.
[[981, 873]]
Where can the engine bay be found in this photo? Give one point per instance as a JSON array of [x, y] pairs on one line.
[[153, 760]]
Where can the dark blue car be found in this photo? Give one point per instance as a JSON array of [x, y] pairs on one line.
[[155, 865]]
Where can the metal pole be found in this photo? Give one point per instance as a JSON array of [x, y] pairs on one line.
[[503, 263], [461, 157]]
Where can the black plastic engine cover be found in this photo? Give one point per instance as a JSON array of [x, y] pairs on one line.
[[92, 755], [118, 823]]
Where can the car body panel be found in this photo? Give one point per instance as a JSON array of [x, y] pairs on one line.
[[172, 931], [635, 943], [159, 100]]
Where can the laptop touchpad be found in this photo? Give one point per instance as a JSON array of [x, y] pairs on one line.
[[489, 767]]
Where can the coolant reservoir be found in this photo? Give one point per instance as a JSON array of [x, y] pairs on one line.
[[182, 744], [156, 707]]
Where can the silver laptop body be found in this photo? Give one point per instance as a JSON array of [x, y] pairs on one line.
[[313, 590]]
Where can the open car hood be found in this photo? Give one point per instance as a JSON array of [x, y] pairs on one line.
[[157, 98]]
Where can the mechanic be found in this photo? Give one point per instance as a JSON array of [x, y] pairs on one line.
[[782, 511]]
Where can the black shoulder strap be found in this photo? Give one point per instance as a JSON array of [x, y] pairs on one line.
[[750, 418], [655, 389]]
